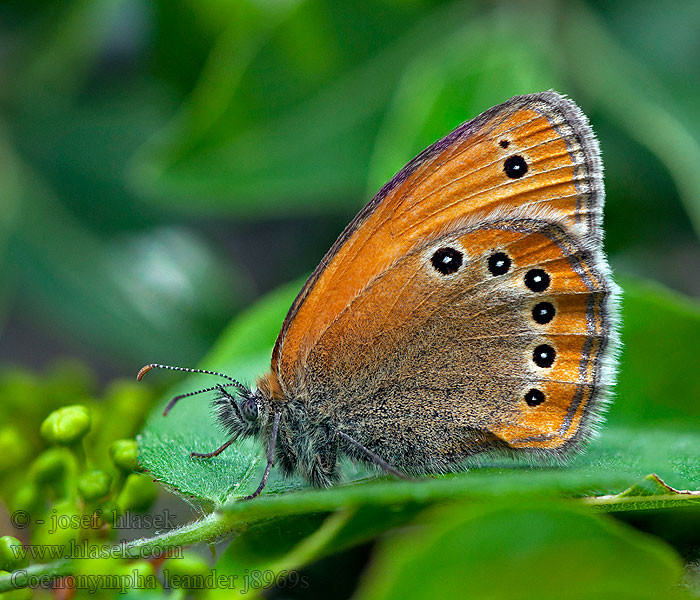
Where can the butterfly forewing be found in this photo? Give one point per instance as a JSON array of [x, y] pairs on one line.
[[531, 152]]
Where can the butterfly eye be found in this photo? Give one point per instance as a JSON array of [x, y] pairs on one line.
[[537, 280], [447, 260], [249, 409], [534, 397], [499, 263], [543, 312], [515, 166], [544, 355]]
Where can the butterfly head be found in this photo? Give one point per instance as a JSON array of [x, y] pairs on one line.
[[241, 410], [243, 413]]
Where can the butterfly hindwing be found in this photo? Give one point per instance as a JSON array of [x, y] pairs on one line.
[[428, 366]]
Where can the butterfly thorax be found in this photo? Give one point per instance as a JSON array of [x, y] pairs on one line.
[[306, 443]]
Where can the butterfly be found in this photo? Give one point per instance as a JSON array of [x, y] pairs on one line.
[[468, 309]]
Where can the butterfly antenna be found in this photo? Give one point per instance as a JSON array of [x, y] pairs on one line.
[[147, 368], [176, 399]]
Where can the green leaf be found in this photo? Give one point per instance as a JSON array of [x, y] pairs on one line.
[[660, 335], [505, 550], [288, 543], [166, 443], [651, 485], [649, 493]]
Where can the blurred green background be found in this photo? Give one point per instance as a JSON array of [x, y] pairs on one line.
[[162, 163]]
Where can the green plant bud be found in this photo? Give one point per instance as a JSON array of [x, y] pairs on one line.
[[109, 513], [94, 484], [51, 465], [190, 565], [124, 453], [11, 557], [14, 448], [66, 425], [142, 572], [138, 493], [21, 594], [28, 498], [63, 523]]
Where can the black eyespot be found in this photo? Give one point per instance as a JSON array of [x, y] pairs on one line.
[[543, 312], [544, 355], [499, 263], [515, 166], [249, 409], [447, 260], [534, 397], [537, 280], [504, 143]]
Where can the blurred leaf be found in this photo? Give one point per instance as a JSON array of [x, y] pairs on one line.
[[11, 190], [660, 334], [243, 28], [242, 149], [522, 550], [66, 44], [305, 152], [665, 41], [283, 544], [80, 152], [636, 100], [624, 453], [140, 297]]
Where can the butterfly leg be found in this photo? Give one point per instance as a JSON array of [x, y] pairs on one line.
[[375, 458], [212, 454], [270, 457]]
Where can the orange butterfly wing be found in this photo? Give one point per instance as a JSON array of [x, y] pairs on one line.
[[460, 175]]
